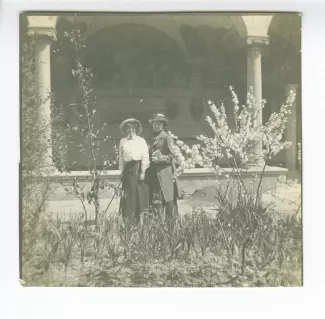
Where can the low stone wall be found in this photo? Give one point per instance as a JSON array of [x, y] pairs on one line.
[[190, 181]]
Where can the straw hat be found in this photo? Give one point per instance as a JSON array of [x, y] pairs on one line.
[[122, 125], [158, 117]]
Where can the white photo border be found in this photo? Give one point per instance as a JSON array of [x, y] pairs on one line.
[[20, 302]]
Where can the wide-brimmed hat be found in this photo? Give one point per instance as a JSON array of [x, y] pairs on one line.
[[122, 125], [158, 117]]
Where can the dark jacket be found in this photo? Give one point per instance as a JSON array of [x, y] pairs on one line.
[[165, 170]]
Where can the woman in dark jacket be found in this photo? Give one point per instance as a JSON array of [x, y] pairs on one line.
[[163, 188]]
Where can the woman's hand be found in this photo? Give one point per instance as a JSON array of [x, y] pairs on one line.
[[159, 159]]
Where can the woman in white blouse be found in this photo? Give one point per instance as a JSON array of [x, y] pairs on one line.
[[133, 162]]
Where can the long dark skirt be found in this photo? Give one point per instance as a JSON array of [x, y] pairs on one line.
[[135, 194], [156, 197]]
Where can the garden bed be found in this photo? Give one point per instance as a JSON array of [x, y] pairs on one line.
[[197, 251], [197, 271]]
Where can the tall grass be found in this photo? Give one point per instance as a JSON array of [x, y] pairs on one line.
[[250, 242]]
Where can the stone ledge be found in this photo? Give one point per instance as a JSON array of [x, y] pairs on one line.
[[208, 172], [189, 181], [188, 173]]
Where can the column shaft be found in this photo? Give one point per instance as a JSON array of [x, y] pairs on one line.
[[254, 80], [43, 42], [43, 69], [254, 74]]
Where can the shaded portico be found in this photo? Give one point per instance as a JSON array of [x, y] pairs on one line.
[[203, 53]]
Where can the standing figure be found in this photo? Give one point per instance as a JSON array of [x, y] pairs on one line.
[[133, 161], [163, 188]]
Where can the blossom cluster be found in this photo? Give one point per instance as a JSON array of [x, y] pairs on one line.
[[248, 142], [186, 156]]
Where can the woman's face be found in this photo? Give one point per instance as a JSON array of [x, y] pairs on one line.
[[157, 126], [131, 129]]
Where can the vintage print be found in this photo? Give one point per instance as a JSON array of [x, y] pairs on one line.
[[160, 149]]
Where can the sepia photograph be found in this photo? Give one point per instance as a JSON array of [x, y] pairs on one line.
[[160, 149]]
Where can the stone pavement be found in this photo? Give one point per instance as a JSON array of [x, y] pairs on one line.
[[285, 200]]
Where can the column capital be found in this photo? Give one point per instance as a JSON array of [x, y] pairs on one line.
[[42, 28], [43, 34], [257, 41]]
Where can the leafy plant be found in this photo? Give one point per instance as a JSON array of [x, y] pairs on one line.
[[203, 230], [83, 135], [70, 233], [35, 166]]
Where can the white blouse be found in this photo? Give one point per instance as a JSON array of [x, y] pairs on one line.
[[135, 149]]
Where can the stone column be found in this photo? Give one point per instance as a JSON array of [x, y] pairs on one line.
[[291, 132], [43, 37], [254, 73]]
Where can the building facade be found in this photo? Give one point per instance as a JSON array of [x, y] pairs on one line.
[[174, 64]]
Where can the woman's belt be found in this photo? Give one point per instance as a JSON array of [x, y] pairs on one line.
[[133, 161], [129, 167]]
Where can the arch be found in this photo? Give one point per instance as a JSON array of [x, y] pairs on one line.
[[91, 35], [166, 26], [170, 24], [136, 55], [288, 26], [282, 61], [239, 24]]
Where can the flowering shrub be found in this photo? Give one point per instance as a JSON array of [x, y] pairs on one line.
[[85, 136], [248, 143], [186, 156]]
